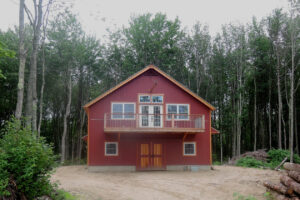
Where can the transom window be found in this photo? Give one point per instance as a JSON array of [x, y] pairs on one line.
[[111, 148], [157, 99], [151, 98], [189, 148], [145, 99], [180, 111], [123, 111]]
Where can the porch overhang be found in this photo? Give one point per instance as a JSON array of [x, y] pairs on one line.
[[153, 130], [214, 131]]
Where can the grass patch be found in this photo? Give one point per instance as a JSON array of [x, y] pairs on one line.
[[238, 196], [63, 195]]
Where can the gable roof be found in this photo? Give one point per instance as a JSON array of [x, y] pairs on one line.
[[141, 72]]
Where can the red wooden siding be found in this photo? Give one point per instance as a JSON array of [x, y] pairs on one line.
[[127, 146]]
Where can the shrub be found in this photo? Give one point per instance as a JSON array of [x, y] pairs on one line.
[[26, 161], [275, 156], [250, 162]]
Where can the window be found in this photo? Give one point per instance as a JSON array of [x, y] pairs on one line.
[[189, 148], [180, 111], [123, 111], [151, 98], [111, 148], [157, 99], [145, 99]]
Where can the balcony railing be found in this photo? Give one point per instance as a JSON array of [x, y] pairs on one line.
[[119, 122]]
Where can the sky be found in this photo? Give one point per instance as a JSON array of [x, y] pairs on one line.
[[96, 16]]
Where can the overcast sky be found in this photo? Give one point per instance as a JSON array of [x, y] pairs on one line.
[[98, 15]]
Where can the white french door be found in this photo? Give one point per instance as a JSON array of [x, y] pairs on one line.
[[150, 116]]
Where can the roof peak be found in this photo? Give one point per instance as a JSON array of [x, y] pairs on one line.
[[151, 66]]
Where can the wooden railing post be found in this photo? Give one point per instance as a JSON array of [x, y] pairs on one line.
[[137, 117], [105, 120], [203, 121], [172, 120]]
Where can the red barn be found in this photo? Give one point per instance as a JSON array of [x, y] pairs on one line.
[[149, 122]]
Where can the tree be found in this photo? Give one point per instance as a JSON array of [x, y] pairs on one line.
[[275, 26], [22, 61]]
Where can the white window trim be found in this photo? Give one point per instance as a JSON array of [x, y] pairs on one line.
[[175, 104], [117, 149], [112, 114], [151, 95], [195, 149]]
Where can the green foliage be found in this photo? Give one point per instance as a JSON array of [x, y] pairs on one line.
[[275, 156], [216, 163], [4, 52], [268, 196], [238, 196], [250, 162], [25, 159], [62, 195]]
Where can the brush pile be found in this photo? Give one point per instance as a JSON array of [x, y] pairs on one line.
[[289, 186]]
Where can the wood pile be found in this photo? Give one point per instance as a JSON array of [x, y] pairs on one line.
[[260, 154], [289, 186]]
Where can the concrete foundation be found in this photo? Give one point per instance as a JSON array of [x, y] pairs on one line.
[[192, 168], [126, 168], [129, 168]]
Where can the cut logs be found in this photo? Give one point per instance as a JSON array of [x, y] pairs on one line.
[[289, 186], [291, 166]]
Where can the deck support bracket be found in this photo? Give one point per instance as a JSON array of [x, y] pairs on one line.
[[184, 136]]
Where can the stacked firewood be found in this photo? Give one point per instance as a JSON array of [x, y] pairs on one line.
[[289, 186]]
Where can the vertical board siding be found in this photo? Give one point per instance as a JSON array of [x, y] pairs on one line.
[[128, 148]]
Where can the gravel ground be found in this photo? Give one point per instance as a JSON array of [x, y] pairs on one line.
[[220, 183]]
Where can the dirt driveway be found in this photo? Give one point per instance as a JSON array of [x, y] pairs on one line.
[[220, 183]]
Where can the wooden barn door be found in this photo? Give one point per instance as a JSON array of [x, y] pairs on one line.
[[157, 156], [151, 156], [145, 156]]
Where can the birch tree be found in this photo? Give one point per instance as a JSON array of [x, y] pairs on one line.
[[22, 61]]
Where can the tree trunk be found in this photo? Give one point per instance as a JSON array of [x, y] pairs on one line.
[[295, 175], [22, 62], [296, 131], [239, 114], [279, 98], [31, 104], [67, 113], [233, 129], [291, 166], [284, 132], [290, 183], [42, 90], [255, 113], [278, 187], [269, 113], [291, 106], [82, 121]]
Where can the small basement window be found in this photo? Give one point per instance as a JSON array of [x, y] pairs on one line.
[[189, 148], [111, 148]]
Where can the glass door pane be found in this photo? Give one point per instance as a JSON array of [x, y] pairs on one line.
[[144, 121], [157, 116]]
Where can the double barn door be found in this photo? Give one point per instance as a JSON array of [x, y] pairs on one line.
[[151, 156]]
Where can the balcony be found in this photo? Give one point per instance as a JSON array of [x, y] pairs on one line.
[[153, 123]]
